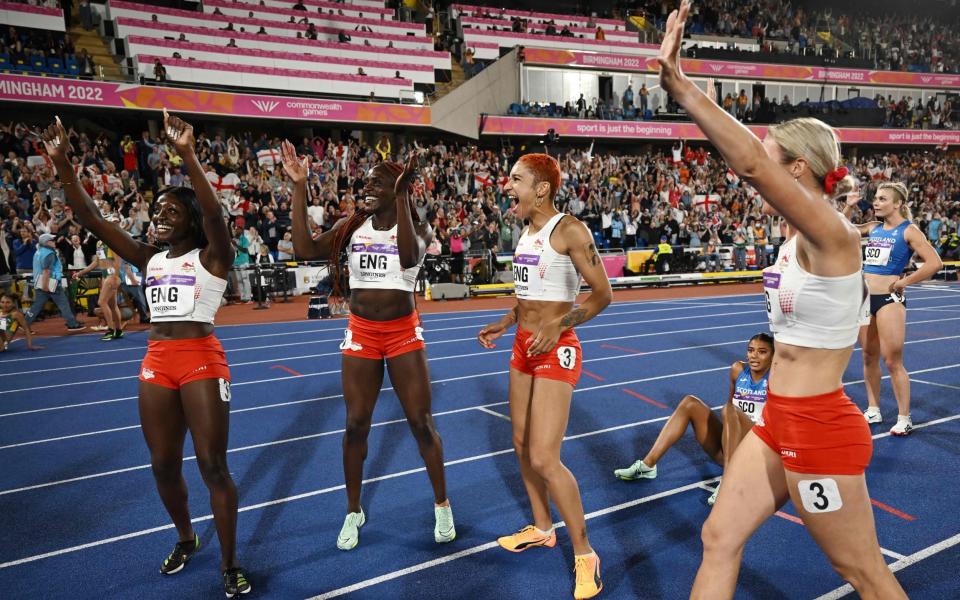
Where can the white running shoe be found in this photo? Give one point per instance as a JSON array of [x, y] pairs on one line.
[[443, 531], [872, 415], [713, 497], [638, 470], [903, 427], [350, 532]]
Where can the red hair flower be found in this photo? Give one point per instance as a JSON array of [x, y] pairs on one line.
[[833, 178]]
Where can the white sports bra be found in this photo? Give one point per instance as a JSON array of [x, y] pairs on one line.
[[181, 289], [539, 271], [810, 310], [375, 260]]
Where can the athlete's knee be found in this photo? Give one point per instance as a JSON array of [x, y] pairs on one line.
[[871, 355], [214, 470], [858, 570], [689, 403], [893, 361], [166, 469], [544, 462], [717, 539], [424, 430], [356, 429]]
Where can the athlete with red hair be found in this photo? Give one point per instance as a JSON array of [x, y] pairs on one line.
[[553, 253], [385, 243]]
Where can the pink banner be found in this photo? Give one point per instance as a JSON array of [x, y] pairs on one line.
[[116, 95], [716, 68], [645, 130]]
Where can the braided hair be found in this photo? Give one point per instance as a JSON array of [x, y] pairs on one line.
[[345, 232]]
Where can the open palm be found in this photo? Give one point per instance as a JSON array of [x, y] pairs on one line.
[[179, 131], [296, 169], [669, 57]]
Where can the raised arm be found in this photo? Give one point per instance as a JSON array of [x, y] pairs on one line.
[[304, 245], [412, 241], [853, 198], [217, 257], [57, 144], [817, 220]]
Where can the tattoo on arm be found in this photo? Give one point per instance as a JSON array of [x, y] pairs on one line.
[[574, 317], [591, 252]]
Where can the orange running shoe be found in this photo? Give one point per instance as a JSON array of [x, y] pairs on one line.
[[528, 537], [587, 569]]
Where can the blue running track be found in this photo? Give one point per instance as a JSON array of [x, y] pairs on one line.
[[82, 519]]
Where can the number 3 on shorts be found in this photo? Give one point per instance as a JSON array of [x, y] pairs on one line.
[[567, 356], [820, 495]]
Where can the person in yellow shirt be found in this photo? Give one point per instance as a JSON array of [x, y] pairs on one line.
[[383, 148]]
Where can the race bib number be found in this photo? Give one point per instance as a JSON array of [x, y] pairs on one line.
[[4, 323], [523, 267], [877, 253], [771, 291], [751, 408], [567, 357], [373, 260], [820, 495], [101, 253], [171, 295]]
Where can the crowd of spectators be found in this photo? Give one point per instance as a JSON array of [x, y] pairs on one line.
[[685, 196], [25, 49]]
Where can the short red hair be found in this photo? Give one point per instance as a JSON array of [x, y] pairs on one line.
[[544, 168]]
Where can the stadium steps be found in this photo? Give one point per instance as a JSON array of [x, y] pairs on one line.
[[97, 49], [457, 77]]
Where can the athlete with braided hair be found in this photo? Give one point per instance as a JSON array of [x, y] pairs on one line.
[[385, 243]]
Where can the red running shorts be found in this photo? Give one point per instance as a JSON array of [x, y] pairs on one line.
[[823, 434], [382, 339], [563, 363], [173, 363]]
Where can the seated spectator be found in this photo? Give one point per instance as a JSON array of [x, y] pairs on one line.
[[159, 71]]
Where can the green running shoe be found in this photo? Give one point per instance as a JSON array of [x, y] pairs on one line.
[[444, 531], [638, 470], [350, 532]]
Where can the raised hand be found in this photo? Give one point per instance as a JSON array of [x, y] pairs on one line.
[[669, 58], [406, 178], [56, 141], [854, 197], [296, 169], [180, 133]]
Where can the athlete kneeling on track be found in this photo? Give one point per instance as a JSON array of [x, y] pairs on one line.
[[718, 436]]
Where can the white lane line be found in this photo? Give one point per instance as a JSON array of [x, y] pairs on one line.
[[309, 494], [472, 338], [465, 377], [279, 442], [903, 563], [944, 385], [305, 356], [344, 321], [434, 343], [891, 554], [493, 412], [327, 490], [490, 545], [139, 348]]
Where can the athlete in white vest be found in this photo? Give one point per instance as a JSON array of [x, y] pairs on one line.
[[813, 445], [385, 243], [545, 365], [184, 378]]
